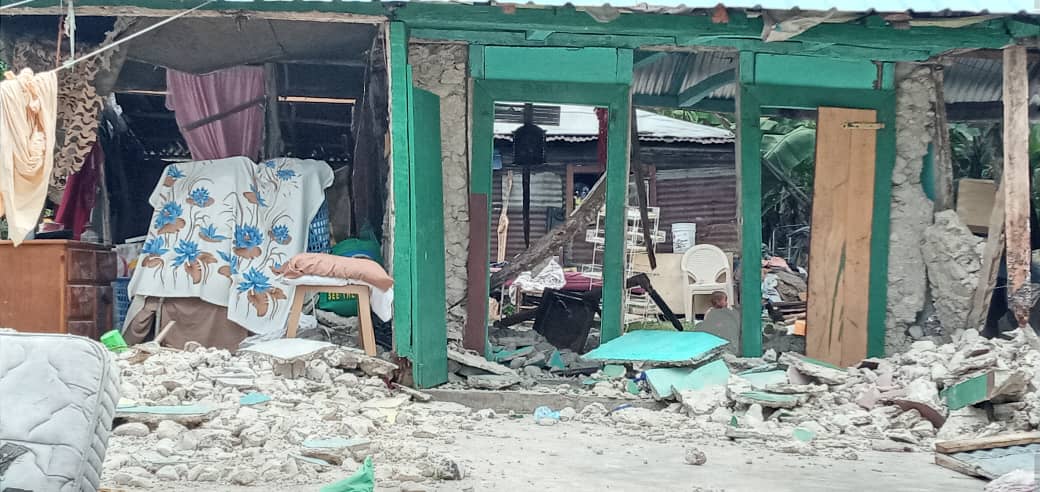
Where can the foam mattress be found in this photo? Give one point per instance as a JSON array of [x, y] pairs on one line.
[[58, 395]]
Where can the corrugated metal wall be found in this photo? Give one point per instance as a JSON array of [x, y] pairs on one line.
[[704, 196], [547, 188]]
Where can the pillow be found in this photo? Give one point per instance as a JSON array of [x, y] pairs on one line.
[[337, 267]]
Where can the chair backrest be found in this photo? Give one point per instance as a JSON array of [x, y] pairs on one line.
[[705, 263]]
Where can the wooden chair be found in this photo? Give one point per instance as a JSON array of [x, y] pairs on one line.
[[367, 334]]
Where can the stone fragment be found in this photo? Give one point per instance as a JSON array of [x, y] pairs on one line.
[[131, 429], [242, 477], [821, 371], [168, 473], [168, 429], [694, 456], [493, 381]]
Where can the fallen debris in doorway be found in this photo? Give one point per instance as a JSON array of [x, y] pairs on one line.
[[666, 381]]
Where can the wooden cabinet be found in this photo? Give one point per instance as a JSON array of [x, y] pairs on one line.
[[57, 286]]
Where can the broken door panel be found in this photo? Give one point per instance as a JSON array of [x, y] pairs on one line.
[[839, 259]]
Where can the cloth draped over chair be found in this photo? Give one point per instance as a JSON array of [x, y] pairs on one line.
[[236, 93]]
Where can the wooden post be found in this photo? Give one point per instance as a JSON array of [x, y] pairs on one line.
[[273, 146], [1016, 172], [943, 161]]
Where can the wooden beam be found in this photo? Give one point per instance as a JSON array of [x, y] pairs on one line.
[[702, 89], [998, 441], [1016, 173], [991, 255], [983, 111], [224, 114]]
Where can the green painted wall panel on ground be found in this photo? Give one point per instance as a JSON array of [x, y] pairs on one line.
[[814, 71], [591, 65], [429, 319]]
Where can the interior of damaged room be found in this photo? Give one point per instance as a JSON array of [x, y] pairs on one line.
[[214, 198]]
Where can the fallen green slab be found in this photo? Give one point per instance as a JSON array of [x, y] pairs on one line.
[[614, 371], [661, 348], [665, 382], [253, 398], [506, 355], [761, 380], [363, 480]]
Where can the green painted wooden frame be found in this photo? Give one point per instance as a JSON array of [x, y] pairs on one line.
[[615, 97], [751, 99]]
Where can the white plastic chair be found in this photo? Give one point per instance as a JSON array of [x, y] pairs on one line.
[[707, 271]]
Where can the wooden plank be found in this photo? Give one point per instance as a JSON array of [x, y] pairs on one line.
[[430, 361], [474, 334], [961, 467], [975, 198], [503, 218], [842, 221], [1016, 172], [612, 316], [991, 255], [749, 178], [999, 441]]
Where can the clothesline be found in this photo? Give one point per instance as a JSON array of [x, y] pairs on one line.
[[12, 5], [103, 49]]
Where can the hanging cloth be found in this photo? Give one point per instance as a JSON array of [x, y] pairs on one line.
[[80, 193], [28, 114]]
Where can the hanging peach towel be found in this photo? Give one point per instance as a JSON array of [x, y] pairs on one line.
[[28, 113]]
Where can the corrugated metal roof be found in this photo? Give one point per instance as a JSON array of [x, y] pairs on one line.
[[677, 72], [981, 80], [993, 7], [967, 80], [579, 124]]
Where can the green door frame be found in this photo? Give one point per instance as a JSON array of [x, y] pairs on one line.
[[615, 97], [751, 99]]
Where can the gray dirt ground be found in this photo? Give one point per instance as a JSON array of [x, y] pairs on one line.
[[520, 456]]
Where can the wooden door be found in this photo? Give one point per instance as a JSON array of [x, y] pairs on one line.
[[428, 313], [839, 255]]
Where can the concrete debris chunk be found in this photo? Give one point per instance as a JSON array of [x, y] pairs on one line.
[[478, 362], [821, 371]]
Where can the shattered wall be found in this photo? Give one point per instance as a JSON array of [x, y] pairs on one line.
[[441, 69], [911, 208], [953, 260]]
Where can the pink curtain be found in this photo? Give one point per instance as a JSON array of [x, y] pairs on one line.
[[195, 97], [80, 193]]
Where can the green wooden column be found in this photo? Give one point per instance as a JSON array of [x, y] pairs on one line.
[[612, 318], [749, 142], [400, 81]]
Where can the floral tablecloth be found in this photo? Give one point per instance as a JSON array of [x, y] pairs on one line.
[[221, 227]]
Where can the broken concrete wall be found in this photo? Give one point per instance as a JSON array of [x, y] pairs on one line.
[[911, 209], [953, 260], [441, 69]]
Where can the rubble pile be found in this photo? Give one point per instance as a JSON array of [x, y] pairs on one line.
[[974, 387], [205, 415]]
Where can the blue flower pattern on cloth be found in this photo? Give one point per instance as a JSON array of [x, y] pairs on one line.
[[210, 232], [168, 214], [231, 260], [286, 174], [271, 164], [256, 193], [154, 246], [247, 236], [187, 252], [200, 196], [174, 172], [280, 234], [254, 280]]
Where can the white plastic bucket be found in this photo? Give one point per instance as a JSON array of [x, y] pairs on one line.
[[684, 236]]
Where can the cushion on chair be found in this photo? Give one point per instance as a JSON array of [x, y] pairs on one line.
[[337, 267]]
